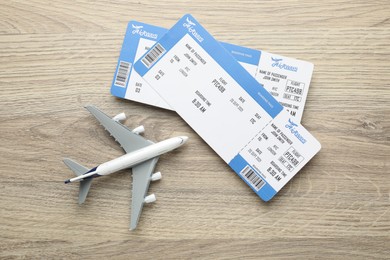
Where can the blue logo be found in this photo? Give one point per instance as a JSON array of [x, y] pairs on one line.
[[279, 63], [291, 126]]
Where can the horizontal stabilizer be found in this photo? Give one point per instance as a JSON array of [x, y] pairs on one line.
[[85, 185], [78, 169], [84, 189]]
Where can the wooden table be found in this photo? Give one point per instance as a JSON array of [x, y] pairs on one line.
[[56, 56]]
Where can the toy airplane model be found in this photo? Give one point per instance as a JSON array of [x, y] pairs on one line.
[[141, 155]]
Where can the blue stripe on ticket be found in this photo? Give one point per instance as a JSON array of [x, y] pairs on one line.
[[252, 177], [243, 54]]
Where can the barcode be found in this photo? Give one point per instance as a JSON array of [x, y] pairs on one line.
[[252, 177], [122, 74], [153, 55]]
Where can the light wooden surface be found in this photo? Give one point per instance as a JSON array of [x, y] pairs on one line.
[[56, 56]]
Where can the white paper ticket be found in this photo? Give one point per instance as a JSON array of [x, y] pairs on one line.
[[287, 79], [227, 107]]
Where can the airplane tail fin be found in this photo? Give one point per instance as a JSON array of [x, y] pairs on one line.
[[85, 185]]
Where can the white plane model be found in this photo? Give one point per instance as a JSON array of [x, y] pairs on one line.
[[141, 155]]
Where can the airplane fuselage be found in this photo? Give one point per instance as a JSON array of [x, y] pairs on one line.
[[134, 158]]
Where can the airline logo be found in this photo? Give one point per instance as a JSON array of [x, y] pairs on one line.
[[190, 25], [292, 127], [279, 63], [138, 29]]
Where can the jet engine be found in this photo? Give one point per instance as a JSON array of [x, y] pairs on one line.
[[139, 130], [119, 117], [156, 176], [149, 199]]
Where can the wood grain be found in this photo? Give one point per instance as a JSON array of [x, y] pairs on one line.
[[57, 56]]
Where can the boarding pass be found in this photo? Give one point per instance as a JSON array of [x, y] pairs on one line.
[[227, 107], [287, 79]]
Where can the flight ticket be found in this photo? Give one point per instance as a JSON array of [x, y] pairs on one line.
[[287, 79], [244, 124]]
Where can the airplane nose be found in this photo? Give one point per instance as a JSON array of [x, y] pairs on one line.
[[184, 139]]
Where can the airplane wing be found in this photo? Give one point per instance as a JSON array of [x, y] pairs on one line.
[[128, 140], [141, 178]]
